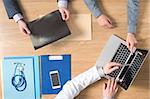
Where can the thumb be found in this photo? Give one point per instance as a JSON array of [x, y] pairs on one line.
[[128, 44], [116, 89], [136, 42], [104, 86], [67, 15], [109, 25], [113, 69], [109, 21], [131, 47], [27, 30], [62, 15]]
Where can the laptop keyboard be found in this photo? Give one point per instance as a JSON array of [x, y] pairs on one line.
[[132, 70], [120, 56], [131, 64]]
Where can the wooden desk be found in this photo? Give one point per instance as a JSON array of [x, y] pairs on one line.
[[84, 53]]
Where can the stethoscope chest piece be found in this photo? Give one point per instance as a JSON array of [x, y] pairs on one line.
[[18, 79]]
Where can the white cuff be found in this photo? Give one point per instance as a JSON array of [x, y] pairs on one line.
[[101, 72], [62, 3], [17, 17]]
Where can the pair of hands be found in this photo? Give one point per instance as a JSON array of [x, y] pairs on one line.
[[110, 88], [24, 28], [104, 21]]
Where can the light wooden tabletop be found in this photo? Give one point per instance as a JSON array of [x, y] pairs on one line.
[[84, 53]]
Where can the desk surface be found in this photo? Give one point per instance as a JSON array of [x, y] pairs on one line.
[[84, 53]]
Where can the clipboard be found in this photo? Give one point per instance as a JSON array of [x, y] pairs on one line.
[[61, 63], [21, 78]]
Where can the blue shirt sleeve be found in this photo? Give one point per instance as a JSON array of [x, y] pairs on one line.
[[93, 7], [133, 10]]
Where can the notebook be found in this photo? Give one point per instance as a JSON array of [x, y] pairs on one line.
[[48, 29], [60, 63], [80, 27], [21, 78]]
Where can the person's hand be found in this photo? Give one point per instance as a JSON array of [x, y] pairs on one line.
[[131, 41], [110, 67], [104, 21], [110, 89], [64, 13], [23, 27]]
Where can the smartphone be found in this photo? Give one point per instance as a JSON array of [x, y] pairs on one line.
[[55, 80]]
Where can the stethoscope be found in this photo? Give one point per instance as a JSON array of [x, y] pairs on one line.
[[19, 80]]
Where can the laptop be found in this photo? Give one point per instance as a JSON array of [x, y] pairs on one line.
[[48, 29], [116, 50]]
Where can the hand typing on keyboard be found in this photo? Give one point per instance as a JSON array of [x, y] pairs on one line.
[[110, 89], [110, 67]]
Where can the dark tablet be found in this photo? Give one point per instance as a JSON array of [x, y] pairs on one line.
[[48, 29]]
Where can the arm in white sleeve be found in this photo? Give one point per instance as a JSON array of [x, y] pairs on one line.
[[17, 17], [62, 3], [73, 87]]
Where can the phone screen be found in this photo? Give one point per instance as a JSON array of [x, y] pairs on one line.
[[55, 79]]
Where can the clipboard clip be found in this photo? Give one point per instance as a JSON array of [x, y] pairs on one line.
[[56, 57]]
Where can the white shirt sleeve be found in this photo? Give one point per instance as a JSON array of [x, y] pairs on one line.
[[62, 3], [73, 87], [17, 17]]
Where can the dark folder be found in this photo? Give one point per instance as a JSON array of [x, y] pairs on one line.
[[48, 29]]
